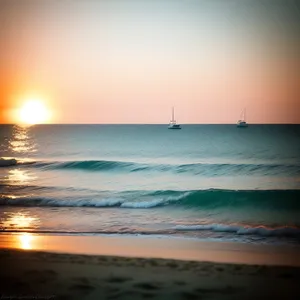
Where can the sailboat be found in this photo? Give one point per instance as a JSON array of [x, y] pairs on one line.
[[242, 121], [173, 124]]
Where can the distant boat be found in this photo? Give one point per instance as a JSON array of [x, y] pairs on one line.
[[242, 121], [173, 124]]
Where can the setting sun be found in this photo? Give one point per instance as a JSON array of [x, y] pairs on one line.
[[34, 112]]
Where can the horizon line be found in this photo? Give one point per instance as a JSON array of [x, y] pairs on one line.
[[145, 124]]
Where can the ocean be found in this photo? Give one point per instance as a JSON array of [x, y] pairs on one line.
[[206, 182]]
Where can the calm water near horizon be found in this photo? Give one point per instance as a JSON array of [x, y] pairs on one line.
[[212, 182]]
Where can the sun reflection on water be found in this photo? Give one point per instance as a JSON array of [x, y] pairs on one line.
[[26, 241], [22, 141], [19, 221], [19, 176], [16, 223]]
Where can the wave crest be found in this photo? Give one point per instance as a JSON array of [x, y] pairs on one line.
[[195, 199], [202, 169]]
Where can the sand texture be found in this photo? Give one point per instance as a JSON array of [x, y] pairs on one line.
[[42, 275]]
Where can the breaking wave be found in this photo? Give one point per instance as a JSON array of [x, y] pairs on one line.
[[195, 199]]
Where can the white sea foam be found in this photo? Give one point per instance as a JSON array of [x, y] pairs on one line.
[[242, 230], [143, 204]]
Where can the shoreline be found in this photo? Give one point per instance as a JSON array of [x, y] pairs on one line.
[[155, 247]]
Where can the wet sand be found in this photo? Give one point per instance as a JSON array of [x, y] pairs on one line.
[[155, 247]]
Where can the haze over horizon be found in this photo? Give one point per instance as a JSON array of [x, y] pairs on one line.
[[130, 61]]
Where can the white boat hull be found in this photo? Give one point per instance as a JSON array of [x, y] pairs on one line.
[[242, 124], [176, 126], [173, 124], [242, 121]]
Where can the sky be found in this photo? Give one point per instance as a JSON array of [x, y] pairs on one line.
[[131, 61]]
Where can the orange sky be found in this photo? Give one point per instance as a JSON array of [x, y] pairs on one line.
[[131, 61]]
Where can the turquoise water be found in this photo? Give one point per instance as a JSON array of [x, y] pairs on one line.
[[204, 181]]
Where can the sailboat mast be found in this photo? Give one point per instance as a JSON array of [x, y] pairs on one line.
[[173, 114]]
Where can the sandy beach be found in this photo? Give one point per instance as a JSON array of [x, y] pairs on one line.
[[48, 274]]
